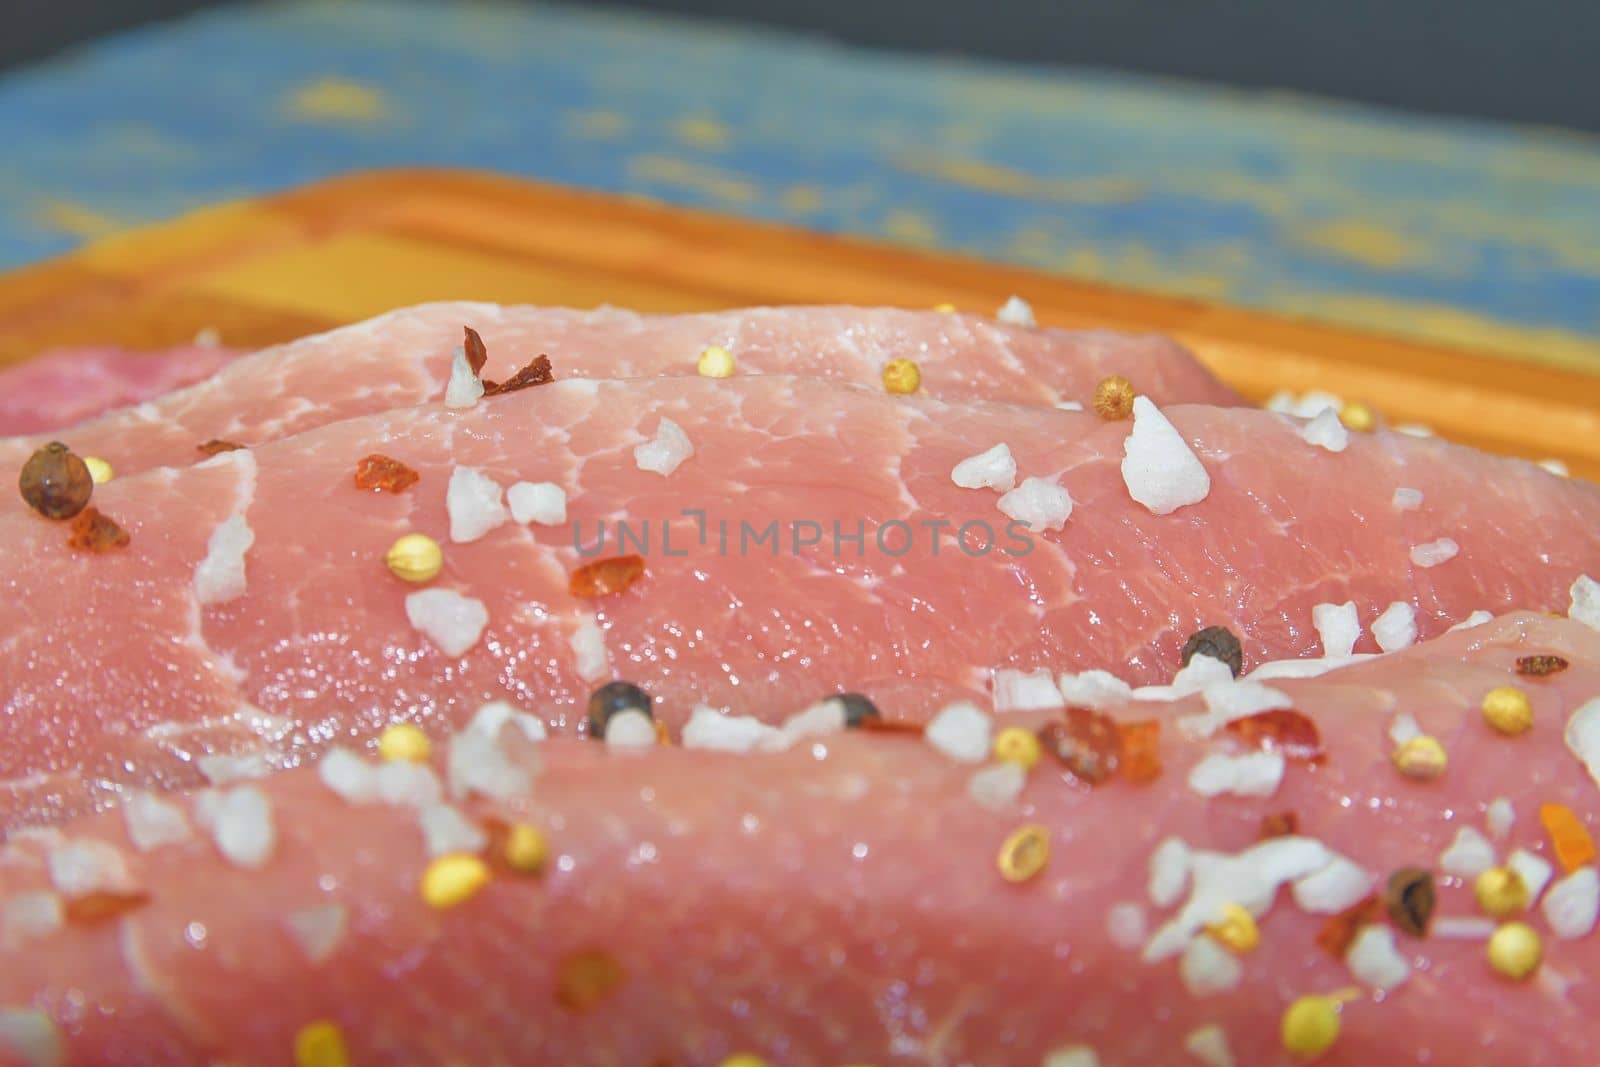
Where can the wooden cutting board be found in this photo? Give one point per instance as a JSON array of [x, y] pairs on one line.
[[272, 269]]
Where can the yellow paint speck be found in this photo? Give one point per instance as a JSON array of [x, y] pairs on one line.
[[802, 199], [910, 228], [993, 178], [335, 100], [599, 125], [709, 181], [76, 219], [1363, 242], [701, 131]]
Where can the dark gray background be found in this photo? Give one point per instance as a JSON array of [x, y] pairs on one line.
[[1523, 60]]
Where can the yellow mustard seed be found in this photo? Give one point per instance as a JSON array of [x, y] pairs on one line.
[[1113, 398], [1236, 930], [415, 558], [1024, 853], [902, 376], [100, 471], [404, 741], [1019, 745], [1310, 1026], [1508, 710], [1515, 951], [744, 1059], [526, 848], [1358, 416], [715, 362], [1422, 757], [1501, 892], [320, 1044], [453, 879], [945, 309]]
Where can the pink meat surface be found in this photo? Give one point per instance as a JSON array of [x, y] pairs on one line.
[[404, 358], [319, 644], [835, 903], [68, 385]]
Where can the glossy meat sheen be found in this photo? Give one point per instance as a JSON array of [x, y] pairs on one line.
[[840, 904], [65, 386], [319, 644], [403, 358]]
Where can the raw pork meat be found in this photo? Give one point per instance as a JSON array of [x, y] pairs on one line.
[[68, 385]]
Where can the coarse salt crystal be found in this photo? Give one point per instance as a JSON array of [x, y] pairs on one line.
[[960, 731], [992, 469], [1413, 429], [1016, 312], [1582, 736], [451, 621], [1208, 969], [1585, 605], [1396, 628], [709, 728], [405, 783], [819, 720], [1072, 1056], [1334, 888], [220, 576], [1125, 925], [1093, 689], [997, 786], [1169, 872], [588, 643], [241, 825], [542, 502], [1209, 1045], [227, 768], [630, 729], [1201, 672], [1231, 700], [1039, 503], [1573, 903], [490, 718], [1250, 879], [1533, 869], [1159, 468], [446, 830], [1305, 668], [153, 822], [1556, 467], [82, 866], [1403, 728], [477, 764], [1375, 961], [1433, 553], [29, 917], [666, 451], [472, 500], [1338, 626], [1499, 818], [1069, 405], [1311, 404], [32, 1035], [1254, 774], [318, 931], [1477, 618], [1462, 928], [1407, 499], [465, 388], [1025, 690], [1468, 856], [1326, 431], [348, 775]]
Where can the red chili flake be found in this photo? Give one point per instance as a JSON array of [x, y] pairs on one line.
[[604, 577], [1283, 730], [536, 373], [477, 351], [217, 444], [1088, 744], [93, 531], [1141, 750], [877, 724], [99, 906], [1279, 824], [663, 736], [1339, 932], [583, 979], [380, 473], [1539, 666]]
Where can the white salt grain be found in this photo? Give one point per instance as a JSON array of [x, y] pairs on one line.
[[1572, 904], [404, 783], [220, 575], [1433, 553], [1556, 467], [29, 917], [318, 931], [465, 388], [1468, 856], [1533, 869], [1016, 312], [544, 503], [446, 830], [1403, 727], [1326, 431], [1374, 959], [1125, 925], [227, 768], [1338, 626], [451, 621], [1093, 689], [1228, 701], [1499, 818], [1407, 499], [1477, 618], [1336, 887], [991, 469], [1209, 1045], [997, 786], [1585, 604], [241, 825], [666, 451], [1254, 774], [1396, 628], [1159, 468], [1039, 503], [630, 729], [709, 728], [472, 500], [1025, 690], [1582, 736], [1207, 969], [588, 643], [491, 717], [960, 731], [33, 1036], [478, 765], [82, 866], [348, 775], [153, 822], [1169, 872]]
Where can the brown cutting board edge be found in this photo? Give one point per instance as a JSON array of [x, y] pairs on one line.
[[268, 270]]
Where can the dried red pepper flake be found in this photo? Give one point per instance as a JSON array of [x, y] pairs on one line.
[[536, 373], [97, 907], [1409, 897], [1281, 730], [1279, 824], [1339, 932], [1087, 743], [880, 725], [216, 445], [1539, 666], [1141, 750], [604, 577], [477, 351], [384, 474], [583, 979], [94, 531]]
